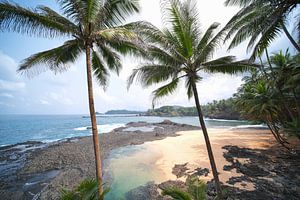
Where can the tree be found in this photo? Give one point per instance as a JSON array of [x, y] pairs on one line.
[[180, 51], [260, 21], [196, 190], [92, 27], [271, 95], [86, 190]]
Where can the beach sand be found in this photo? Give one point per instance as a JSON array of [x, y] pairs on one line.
[[145, 156]]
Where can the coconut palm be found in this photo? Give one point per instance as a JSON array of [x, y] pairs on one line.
[[91, 27], [258, 101], [86, 190], [180, 51], [196, 190], [261, 21]]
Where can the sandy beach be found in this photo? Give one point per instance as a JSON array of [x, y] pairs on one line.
[[150, 152]]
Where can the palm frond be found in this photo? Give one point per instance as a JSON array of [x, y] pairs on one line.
[[207, 52], [112, 59], [36, 22], [74, 9], [66, 23], [164, 91], [99, 69], [150, 74], [114, 33], [177, 194], [115, 12], [56, 59], [208, 35], [92, 10], [227, 65]]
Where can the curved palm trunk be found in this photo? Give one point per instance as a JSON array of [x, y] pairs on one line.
[[208, 146], [93, 120], [291, 38], [283, 100]]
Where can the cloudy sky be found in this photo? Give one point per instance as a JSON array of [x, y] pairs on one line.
[[66, 93]]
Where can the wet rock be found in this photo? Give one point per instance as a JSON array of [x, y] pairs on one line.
[[180, 170], [146, 192], [201, 171]]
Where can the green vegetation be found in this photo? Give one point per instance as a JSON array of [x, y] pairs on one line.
[[113, 112], [271, 94], [92, 27], [86, 190], [196, 190], [222, 109], [261, 21], [181, 52]]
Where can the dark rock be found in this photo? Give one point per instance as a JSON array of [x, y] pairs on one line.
[[201, 171], [180, 170]]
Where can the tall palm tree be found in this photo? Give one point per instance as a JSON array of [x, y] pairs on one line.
[[261, 21], [91, 27], [180, 51]]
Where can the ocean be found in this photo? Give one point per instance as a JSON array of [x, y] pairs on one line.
[[48, 128]]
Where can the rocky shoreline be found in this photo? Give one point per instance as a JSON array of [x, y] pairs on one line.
[[35, 170], [274, 172], [40, 171]]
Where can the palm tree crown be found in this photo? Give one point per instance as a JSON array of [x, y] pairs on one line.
[[92, 23], [260, 21], [92, 26], [180, 51]]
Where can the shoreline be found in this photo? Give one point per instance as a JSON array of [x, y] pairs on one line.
[[73, 158], [45, 171]]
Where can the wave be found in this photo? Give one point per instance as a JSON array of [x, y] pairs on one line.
[[105, 128], [224, 120], [251, 126]]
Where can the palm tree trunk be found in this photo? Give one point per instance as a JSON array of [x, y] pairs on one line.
[[290, 37], [208, 145], [93, 120]]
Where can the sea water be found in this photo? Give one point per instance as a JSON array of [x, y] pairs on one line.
[[47, 128]]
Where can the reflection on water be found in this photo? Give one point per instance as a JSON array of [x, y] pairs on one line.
[[131, 167], [134, 166]]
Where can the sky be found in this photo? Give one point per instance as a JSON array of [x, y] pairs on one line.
[[66, 93]]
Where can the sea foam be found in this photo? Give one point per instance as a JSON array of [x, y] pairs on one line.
[[105, 128]]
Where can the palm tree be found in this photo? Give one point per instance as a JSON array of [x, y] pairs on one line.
[[92, 27], [86, 190], [180, 51], [260, 21], [196, 190], [258, 101]]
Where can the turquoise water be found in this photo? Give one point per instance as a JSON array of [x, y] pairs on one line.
[[46, 128]]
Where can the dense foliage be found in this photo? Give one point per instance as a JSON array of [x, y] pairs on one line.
[[271, 94], [196, 190], [86, 190], [222, 109], [260, 22]]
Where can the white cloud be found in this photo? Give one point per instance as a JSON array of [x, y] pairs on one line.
[[7, 95], [100, 93], [44, 102], [11, 85], [61, 98], [7, 104]]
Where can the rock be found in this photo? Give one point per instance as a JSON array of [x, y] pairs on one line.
[[180, 170], [167, 122], [201, 171]]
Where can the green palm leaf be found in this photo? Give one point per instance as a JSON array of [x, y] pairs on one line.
[[56, 59]]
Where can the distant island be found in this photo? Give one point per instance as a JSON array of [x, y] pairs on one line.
[[222, 109], [123, 111]]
